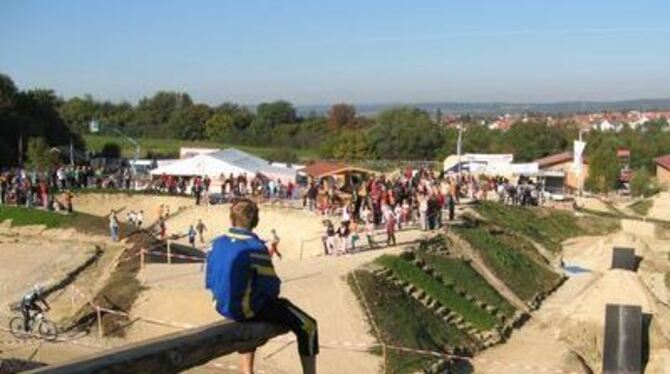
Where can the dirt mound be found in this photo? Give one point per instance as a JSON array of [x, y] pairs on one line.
[[660, 208], [595, 253], [584, 318], [101, 204], [296, 228]]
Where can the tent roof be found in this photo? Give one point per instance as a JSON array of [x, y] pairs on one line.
[[226, 161]]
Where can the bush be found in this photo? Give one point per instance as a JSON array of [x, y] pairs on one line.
[[642, 184], [111, 150]]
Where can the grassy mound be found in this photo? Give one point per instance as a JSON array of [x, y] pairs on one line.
[[511, 259], [549, 227], [21, 216], [437, 290], [642, 207], [461, 274], [405, 322]]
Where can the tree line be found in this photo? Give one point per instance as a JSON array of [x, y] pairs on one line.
[[399, 133]]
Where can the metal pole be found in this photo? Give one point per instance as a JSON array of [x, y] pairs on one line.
[[99, 316], [458, 147], [169, 252], [21, 150]]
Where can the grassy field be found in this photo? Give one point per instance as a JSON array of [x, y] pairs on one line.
[[515, 267], [549, 227], [437, 290], [21, 216], [461, 274], [405, 322], [642, 207], [169, 148]]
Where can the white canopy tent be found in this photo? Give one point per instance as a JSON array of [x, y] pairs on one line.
[[225, 162]]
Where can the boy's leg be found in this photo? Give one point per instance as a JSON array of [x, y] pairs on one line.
[[247, 362], [283, 312]]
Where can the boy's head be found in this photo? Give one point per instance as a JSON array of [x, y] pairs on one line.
[[244, 214]]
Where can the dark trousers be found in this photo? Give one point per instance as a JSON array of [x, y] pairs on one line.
[[283, 312]]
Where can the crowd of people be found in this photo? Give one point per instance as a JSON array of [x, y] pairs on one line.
[[229, 187], [414, 197]]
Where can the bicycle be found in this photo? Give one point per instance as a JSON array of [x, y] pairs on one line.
[[38, 325]]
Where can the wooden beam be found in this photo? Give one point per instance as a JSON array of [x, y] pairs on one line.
[[174, 352]]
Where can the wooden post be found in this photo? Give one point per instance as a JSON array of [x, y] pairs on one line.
[[141, 258], [99, 315], [169, 252]]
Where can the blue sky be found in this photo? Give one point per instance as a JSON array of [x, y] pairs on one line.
[[320, 52]]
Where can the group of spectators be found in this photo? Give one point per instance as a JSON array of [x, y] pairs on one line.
[[414, 197], [231, 186]]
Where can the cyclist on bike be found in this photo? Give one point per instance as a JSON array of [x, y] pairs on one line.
[[29, 304]]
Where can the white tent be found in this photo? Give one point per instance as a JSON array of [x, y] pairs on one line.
[[475, 162], [225, 162]]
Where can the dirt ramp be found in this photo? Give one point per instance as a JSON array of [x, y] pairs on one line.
[[99, 204], [299, 230]]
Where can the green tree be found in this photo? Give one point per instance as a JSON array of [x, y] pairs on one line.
[[348, 145], [241, 115], [275, 113], [39, 154], [604, 167], [532, 140], [152, 114], [642, 184], [188, 123], [403, 116], [111, 150], [220, 127], [405, 133]]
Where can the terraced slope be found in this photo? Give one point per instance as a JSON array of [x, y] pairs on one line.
[[406, 322], [512, 260], [460, 274], [549, 227]]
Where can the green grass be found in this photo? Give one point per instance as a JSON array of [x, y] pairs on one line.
[[667, 280], [548, 227], [512, 264], [642, 207], [21, 216], [437, 290], [461, 274], [170, 147], [405, 322]]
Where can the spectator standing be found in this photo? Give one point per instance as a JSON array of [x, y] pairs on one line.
[[114, 226], [390, 230], [201, 228]]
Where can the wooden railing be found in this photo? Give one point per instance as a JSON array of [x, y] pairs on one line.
[[174, 352]]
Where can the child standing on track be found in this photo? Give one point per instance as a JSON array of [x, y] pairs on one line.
[[390, 229], [274, 244], [191, 236]]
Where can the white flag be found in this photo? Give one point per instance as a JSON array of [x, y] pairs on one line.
[[578, 155]]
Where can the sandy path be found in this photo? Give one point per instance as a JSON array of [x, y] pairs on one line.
[[660, 209], [572, 319], [176, 293]]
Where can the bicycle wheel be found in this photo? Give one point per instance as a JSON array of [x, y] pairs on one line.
[[16, 328], [47, 330]]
